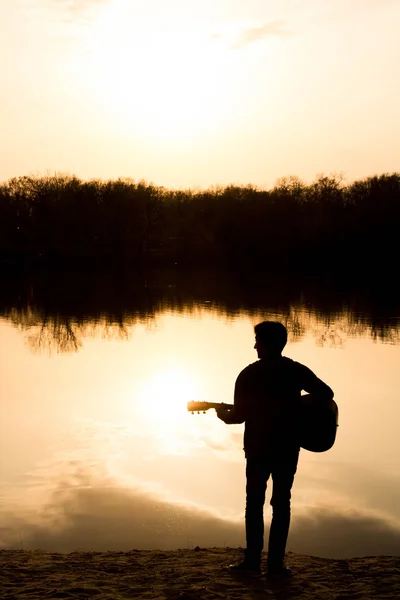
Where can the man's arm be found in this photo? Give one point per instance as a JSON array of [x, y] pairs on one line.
[[313, 385], [235, 415]]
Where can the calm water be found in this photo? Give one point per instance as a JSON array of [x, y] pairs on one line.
[[98, 450]]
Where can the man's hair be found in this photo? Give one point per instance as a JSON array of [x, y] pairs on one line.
[[272, 333]]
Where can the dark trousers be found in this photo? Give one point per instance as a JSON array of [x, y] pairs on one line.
[[258, 471]]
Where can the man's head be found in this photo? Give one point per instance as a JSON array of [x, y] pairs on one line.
[[271, 338]]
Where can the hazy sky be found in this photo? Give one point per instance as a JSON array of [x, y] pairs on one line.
[[186, 93]]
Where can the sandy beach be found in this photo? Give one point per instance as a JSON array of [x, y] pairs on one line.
[[198, 574]]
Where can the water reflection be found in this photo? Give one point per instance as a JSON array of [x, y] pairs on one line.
[[57, 311], [58, 333], [97, 450]]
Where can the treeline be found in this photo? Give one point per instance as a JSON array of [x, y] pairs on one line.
[[64, 219]]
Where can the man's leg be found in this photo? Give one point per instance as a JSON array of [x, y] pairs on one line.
[[283, 472], [257, 474]]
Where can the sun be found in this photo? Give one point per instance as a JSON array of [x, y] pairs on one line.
[[162, 405], [163, 398], [163, 81]]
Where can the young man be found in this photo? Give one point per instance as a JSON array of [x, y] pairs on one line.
[[267, 399]]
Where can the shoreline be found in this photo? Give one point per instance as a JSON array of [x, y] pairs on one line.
[[199, 574]]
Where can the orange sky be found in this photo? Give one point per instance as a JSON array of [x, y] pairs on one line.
[[192, 94]]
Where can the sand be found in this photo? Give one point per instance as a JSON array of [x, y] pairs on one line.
[[189, 575]]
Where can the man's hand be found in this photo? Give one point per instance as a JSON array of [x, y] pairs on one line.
[[222, 413]]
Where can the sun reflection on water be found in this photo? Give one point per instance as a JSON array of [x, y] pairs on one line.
[[165, 395], [162, 403]]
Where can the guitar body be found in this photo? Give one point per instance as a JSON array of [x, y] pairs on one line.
[[318, 424], [318, 421]]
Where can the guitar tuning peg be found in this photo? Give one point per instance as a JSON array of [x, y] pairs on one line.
[[198, 412], [204, 412]]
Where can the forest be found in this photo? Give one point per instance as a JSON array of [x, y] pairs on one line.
[[62, 220]]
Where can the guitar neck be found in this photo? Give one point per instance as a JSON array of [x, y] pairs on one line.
[[203, 406]]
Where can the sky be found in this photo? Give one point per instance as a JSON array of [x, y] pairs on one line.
[[194, 94]]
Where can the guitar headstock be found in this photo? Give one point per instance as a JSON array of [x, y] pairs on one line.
[[198, 406]]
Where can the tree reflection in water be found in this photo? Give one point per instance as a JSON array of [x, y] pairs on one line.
[[57, 311]]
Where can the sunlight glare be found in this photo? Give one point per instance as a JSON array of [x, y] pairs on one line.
[[163, 80], [163, 399], [162, 402]]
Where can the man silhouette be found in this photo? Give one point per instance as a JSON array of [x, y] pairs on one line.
[[267, 399]]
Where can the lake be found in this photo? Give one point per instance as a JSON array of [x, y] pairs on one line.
[[98, 451]]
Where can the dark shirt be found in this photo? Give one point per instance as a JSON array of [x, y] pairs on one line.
[[267, 399]]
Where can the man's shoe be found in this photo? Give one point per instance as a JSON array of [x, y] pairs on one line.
[[278, 573], [246, 568]]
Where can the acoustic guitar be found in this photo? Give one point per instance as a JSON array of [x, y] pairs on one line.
[[318, 421]]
